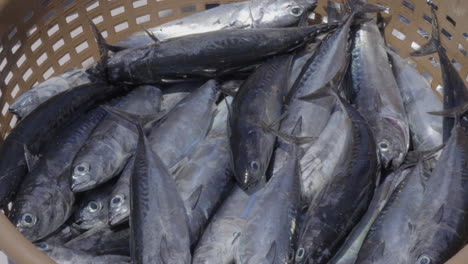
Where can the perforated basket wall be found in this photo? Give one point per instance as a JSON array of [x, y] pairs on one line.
[[40, 39]]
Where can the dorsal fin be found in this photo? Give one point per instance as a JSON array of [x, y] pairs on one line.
[[195, 197]]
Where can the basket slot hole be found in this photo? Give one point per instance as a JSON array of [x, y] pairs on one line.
[[139, 3], [325, 19], [423, 33], [440, 89], [31, 30], [466, 79], [415, 46], [399, 35], [45, 2], [21, 60], [408, 5], [5, 109], [165, 13], [188, 9], [430, 3], [77, 31], [28, 16], [13, 121], [88, 62], [82, 46], [312, 16], [427, 18], [15, 91], [434, 62], [1, 48], [427, 76], [67, 3], [456, 64], [465, 35], [104, 34], [49, 15], [8, 78], [71, 17], [1, 97], [3, 64], [27, 74], [98, 19], [36, 44], [15, 48], [117, 11], [57, 45], [404, 19], [64, 59], [41, 59], [449, 19], [121, 26], [53, 30], [462, 50], [48, 73], [92, 6], [143, 19], [209, 6], [446, 34], [12, 33]]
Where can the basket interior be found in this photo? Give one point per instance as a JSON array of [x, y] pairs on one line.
[[46, 38]]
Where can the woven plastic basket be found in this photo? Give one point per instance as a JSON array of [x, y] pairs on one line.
[[40, 39]]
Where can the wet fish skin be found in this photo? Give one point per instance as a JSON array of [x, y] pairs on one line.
[[113, 141], [442, 230], [377, 95], [324, 156], [388, 240], [31, 99], [178, 57], [243, 15], [204, 178], [270, 231], [66, 233], [45, 197], [260, 99], [93, 209], [175, 93], [221, 238], [64, 255], [119, 203], [103, 240], [418, 99], [43, 124], [180, 130], [343, 201]]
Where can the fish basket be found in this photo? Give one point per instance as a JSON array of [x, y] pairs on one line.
[[41, 39]]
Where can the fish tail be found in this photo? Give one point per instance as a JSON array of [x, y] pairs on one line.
[[138, 120], [456, 112], [414, 157], [433, 44]]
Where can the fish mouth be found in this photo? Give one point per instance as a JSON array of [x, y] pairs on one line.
[[118, 219], [82, 183]]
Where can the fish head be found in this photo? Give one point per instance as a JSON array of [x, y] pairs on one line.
[[29, 218], [302, 255], [392, 143], [119, 209], [280, 13], [424, 258], [82, 179], [91, 214]]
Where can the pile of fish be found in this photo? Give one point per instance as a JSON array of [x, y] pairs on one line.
[[243, 135]]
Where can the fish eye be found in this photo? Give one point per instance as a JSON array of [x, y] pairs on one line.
[[424, 259], [296, 10], [117, 200], [28, 220], [300, 254], [82, 169], [384, 146], [94, 206], [254, 165], [42, 246]]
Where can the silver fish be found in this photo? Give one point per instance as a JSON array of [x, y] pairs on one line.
[[64, 255], [93, 210], [175, 93], [113, 142], [320, 160], [419, 99], [185, 125], [119, 203], [271, 226], [247, 14], [378, 98], [31, 99], [221, 238], [204, 177]]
